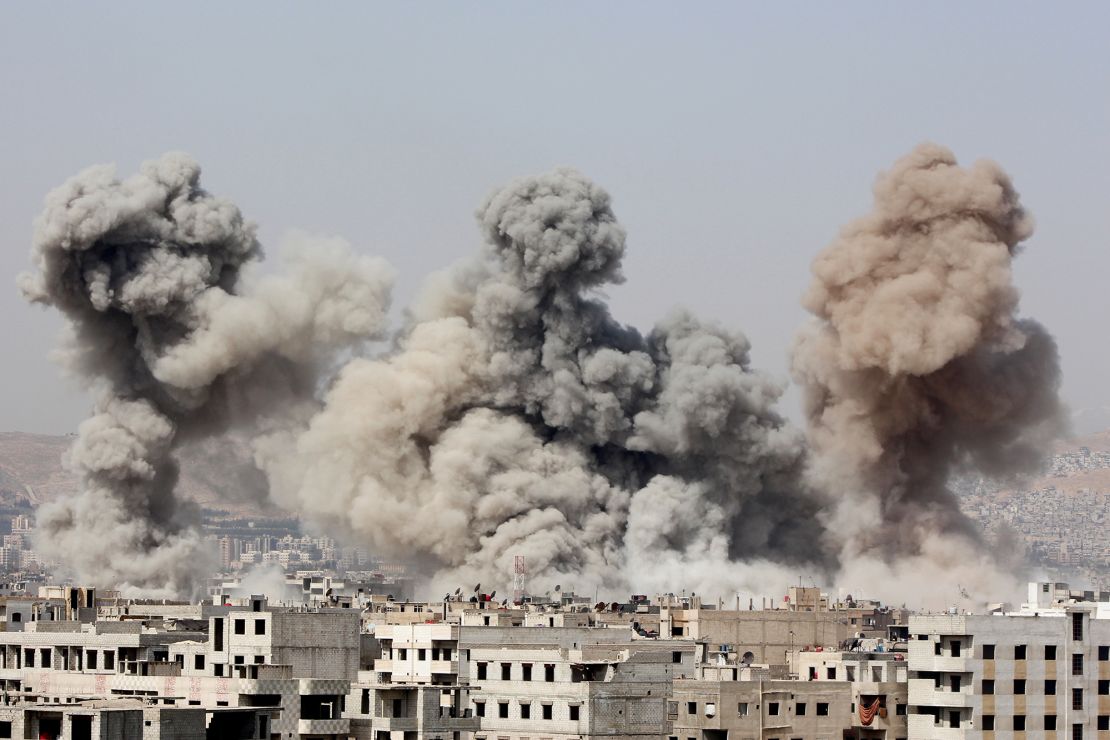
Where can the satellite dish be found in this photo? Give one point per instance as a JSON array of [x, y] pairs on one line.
[[558, 588], [504, 602], [477, 587], [458, 591], [492, 594], [692, 594]]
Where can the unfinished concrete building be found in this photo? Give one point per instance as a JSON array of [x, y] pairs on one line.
[[295, 665]]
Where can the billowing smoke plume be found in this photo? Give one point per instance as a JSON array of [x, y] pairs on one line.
[[518, 418], [515, 416], [147, 272], [918, 366]]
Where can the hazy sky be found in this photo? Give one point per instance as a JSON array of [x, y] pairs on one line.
[[734, 138]]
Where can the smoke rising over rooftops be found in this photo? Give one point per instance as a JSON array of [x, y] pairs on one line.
[[515, 416]]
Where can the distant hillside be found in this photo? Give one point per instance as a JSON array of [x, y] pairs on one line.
[[216, 475]]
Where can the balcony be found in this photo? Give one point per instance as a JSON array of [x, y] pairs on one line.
[[922, 658], [923, 693], [323, 726], [921, 726], [444, 666], [400, 724]]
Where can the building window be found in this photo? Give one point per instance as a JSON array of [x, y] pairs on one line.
[[800, 709], [506, 671], [988, 686], [1104, 687], [526, 711], [936, 648], [1077, 625], [1019, 652], [503, 710], [772, 708], [240, 626], [1077, 664], [403, 654], [900, 710], [955, 648], [1050, 687], [988, 722], [1104, 653], [1019, 723], [421, 653], [526, 671], [218, 669], [1104, 722], [1077, 698], [1050, 652], [1077, 731], [830, 673], [822, 709], [481, 671], [574, 712], [547, 711], [198, 662], [742, 709], [549, 672], [1050, 721], [988, 652], [676, 656], [109, 659], [479, 709], [691, 707], [1019, 686]]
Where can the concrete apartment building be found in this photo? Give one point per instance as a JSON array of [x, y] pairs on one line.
[[878, 690], [516, 683], [413, 688], [563, 683], [760, 710], [131, 719], [292, 668], [1043, 671], [768, 634]]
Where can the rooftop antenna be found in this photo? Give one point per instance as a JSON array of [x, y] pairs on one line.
[[520, 578]]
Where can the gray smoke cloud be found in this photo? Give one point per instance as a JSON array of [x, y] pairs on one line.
[[148, 272], [517, 417], [513, 415], [918, 365]]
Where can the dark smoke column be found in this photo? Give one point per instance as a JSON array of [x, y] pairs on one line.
[[918, 365], [147, 272]]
